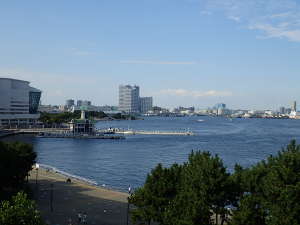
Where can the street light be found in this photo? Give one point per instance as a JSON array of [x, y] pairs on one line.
[[37, 166], [51, 197], [129, 192]]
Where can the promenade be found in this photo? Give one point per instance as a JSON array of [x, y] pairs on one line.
[[102, 206]]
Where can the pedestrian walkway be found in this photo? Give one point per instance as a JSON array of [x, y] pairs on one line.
[[96, 205]]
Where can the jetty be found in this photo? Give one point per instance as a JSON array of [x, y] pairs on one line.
[[58, 133], [80, 129], [143, 132]]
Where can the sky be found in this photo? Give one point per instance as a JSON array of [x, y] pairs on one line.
[[182, 52]]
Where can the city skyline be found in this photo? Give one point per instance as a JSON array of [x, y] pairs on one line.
[[188, 52]]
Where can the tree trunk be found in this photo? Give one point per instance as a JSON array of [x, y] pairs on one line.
[[222, 221]]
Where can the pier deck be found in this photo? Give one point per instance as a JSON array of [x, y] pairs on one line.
[[132, 132]]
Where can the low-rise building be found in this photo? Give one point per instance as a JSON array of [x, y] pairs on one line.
[[82, 125]]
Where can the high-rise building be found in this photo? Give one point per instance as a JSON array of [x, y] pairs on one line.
[[18, 103], [288, 110], [282, 110], [146, 104], [79, 102], [219, 106], [70, 103], [129, 98], [294, 106]]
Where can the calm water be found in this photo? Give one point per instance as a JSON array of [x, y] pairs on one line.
[[118, 163]]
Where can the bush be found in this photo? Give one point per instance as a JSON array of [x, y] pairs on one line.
[[19, 211], [16, 160]]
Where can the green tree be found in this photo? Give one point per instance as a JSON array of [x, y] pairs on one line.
[[16, 160], [206, 191], [188, 194], [58, 118], [271, 190], [19, 211], [154, 199]]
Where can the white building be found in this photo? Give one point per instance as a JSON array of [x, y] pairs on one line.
[[129, 98], [146, 104], [294, 115], [18, 103]]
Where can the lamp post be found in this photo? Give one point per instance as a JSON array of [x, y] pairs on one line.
[[37, 166], [51, 197], [129, 192]]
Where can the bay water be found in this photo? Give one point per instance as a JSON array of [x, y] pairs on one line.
[[116, 164]]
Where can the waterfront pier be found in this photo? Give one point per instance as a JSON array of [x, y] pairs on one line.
[[134, 132]]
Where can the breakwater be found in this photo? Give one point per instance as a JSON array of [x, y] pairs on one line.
[[59, 133], [134, 132]]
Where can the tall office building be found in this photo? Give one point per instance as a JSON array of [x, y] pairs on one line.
[[219, 106], [282, 110], [18, 103], [79, 102], [146, 104], [294, 106], [129, 98], [70, 103]]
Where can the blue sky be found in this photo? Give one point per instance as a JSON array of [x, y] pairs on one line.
[[181, 52]]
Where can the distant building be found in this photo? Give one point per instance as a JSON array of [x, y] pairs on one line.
[[282, 110], [49, 109], [69, 103], [79, 103], [86, 103], [288, 110], [63, 108], [129, 98], [219, 106], [146, 104], [294, 106], [19, 103]]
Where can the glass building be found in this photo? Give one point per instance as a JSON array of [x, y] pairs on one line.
[[34, 100]]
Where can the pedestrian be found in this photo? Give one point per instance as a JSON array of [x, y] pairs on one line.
[[84, 218], [79, 217], [70, 221]]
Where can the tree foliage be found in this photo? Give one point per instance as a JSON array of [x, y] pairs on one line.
[[16, 160], [19, 211], [188, 194], [201, 191], [154, 199], [58, 118], [272, 190]]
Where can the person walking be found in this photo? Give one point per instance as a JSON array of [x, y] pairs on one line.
[[79, 217], [70, 221], [84, 218]]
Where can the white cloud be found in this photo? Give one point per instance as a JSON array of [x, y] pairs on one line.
[[157, 62], [274, 18], [235, 18], [204, 12], [278, 32], [194, 94], [79, 52]]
